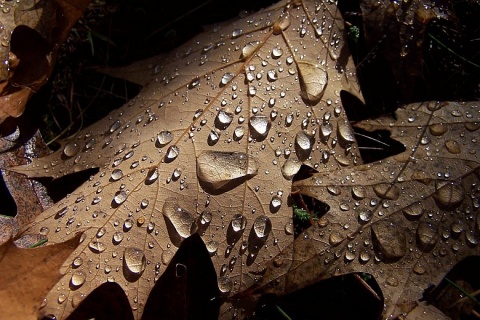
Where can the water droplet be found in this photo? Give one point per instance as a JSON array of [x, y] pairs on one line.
[[61, 299], [194, 83], [272, 75], [167, 255], [262, 226], [101, 231], [212, 246], [238, 133], [427, 236], [172, 153], [226, 78], [117, 174], [364, 256], [290, 168], [453, 146], [260, 126], [389, 240], [117, 237], [60, 213], [277, 52], [313, 81], [219, 168], [77, 262], [345, 132], [213, 138], [303, 145], [223, 119], [419, 269], [97, 246], [237, 33], [182, 220], [448, 195], [152, 175], [78, 278], [128, 224], [438, 129], [249, 49], [134, 263], [326, 130], [164, 138], [225, 285], [238, 223], [386, 191], [359, 192], [114, 126], [392, 281], [335, 238], [365, 215], [275, 203], [71, 149], [413, 211], [120, 197]]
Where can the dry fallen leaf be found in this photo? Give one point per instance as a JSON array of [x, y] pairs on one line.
[[32, 32], [26, 275]]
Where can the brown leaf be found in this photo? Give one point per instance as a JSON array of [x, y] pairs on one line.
[[406, 219], [32, 32], [210, 147], [26, 275]]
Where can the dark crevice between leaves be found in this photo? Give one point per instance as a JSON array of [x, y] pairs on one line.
[[377, 145], [188, 287], [57, 189], [9, 208], [350, 296]]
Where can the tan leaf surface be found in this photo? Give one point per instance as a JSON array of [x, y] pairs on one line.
[[406, 220], [26, 275], [31, 33], [210, 146]]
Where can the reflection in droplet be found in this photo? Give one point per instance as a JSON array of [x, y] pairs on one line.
[[427, 236], [97, 246], [219, 168], [78, 278], [359, 192], [71, 149], [448, 195], [389, 240], [238, 223], [313, 81], [260, 126], [223, 119], [152, 175], [262, 226], [290, 168], [182, 220], [134, 262], [164, 138], [225, 285], [249, 49], [116, 175], [211, 246], [120, 197], [238, 133], [172, 153]]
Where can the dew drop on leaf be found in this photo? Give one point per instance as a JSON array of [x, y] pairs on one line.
[[117, 237], [448, 195], [386, 191], [262, 226], [219, 168], [303, 145], [359, 192], [116, 175], [182, 220], [238, 223], [260, 126], [164, 138], [427, 236], [290, 168], [413, 211], [134, 263], [77, 262], [225, 285], [97, 246], [152, 175], [172, 153], [389, 240], [71, 149], [453, 146], [120, 197], [249, 49], [313, 81], [78, 279]]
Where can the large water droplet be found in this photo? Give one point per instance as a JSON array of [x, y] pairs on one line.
[[448, 195], [238, 133], [389, 241], [78, 278], [226, 78], [114, 126], [97, 246], [277, 52], [217, 169], [335, 238], [172, 153], [116, 175], [413, 211], [152, 175], [453, 146], [211, 246], [223, 119], [260, 126], [303, 145], [262, 226], [427, 236], [225, 285], [249, 49], [120, 197], [359, 192], [345, 132], [313, 81], [182, 220], [134, 263], [386, 191], [290, 168], [164, 138], [71, 149], [238, 223]]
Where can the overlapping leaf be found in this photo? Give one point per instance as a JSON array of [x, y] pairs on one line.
[[210, 146], [406, 220]]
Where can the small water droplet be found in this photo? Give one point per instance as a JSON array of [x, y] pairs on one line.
[[335, 238], [223, 119], [225, 285], [453, 146], [97, 246], [237, 33], [78, 279], [413, 211], [172, 153], [249, 49], [211, 246], [272, 75], [152, 175], [238, 223], [226, 78], [71, 149], [117, 237], [303, 145], [120, 197], [77, 262], [114, 126], [117, 174], [448, 195], [359, 192], [386, 191]]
